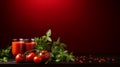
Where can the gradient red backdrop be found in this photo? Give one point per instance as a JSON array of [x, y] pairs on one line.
[[86, 26]]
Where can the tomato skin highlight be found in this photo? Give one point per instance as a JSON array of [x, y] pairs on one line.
[[44, 54], [30, 56], [19, 58], [37, 59]]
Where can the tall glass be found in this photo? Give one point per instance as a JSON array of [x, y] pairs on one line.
[[15, 47]]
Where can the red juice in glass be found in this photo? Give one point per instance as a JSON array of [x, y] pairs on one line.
[[30, 45], [15, 47], [21, 46], [18, 47]]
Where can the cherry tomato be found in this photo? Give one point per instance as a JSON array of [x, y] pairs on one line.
[[37, 59], [45, 55], [30, 56], [19, 58]]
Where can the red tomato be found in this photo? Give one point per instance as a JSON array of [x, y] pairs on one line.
[[30, 56], [19, 58], [37, 59], [45, 55]]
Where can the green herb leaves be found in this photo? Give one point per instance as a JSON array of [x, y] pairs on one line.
[[4, 59], [57, 50], [48, 33], [5, 54], [59, 54], [43, 42]]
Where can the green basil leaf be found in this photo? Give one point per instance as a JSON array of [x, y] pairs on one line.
[[5, 59], [49, 39], [57, 60], [58, 41], [48, 33]]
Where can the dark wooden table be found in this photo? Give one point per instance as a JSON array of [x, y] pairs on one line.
[[12, 63]]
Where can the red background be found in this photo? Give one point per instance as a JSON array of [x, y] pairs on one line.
[[86, 26]]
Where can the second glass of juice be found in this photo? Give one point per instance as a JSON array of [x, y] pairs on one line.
[[30, 45]]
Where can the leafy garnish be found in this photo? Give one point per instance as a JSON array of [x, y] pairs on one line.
[[5, 54], [59, 53], [43, 42], [57, 50]]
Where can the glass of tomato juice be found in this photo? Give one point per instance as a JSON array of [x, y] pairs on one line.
[[30, 45], [18, 46]]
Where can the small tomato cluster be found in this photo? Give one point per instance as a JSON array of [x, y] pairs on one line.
[[42, 56]]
